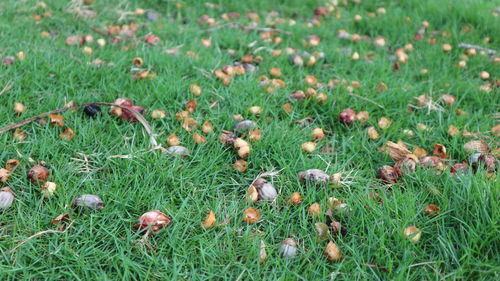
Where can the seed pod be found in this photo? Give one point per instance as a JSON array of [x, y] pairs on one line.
[[254, 135], [158, 114], [296, 60], [252, 194], [321, 230], [413, 233], [332, 252], [244, 126], [309, 147], [262, 252], [298, 95], [240, 165], [11, 164], [195, 89], [206, 128], [363, 116], [314, 210], [197, 138], [155, 219], [449, 100], [265, 190], [4, 175], [92, 110], [288, 248], [38, 174], [347, 116], [89, 201], [474, 146], [314, 176], [173, 140], [6, 198], [48, 189], [384, 123], [242, 147], [209, 221], [19, 108], [388, 174], [178, 150], [372, 133], [318, 134], [446, 47], [251, 215], [295, 198], [484, 75], [432, 210]]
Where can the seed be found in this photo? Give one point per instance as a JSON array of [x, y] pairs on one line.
[[265, 189], [38, 174], [178, 150], [355, 56], [297, 95], [332, 252], [413, 233], [101, 42], [314, 210], [295, 198], [484, 75], [244, 126], [347, 116], [432, 210], [68, 134], [155, 219], [453, 131], [287, 108], [191, 105], [379, 42], [242, 147], [19, 108], [240, 165], [288, 248], [209, 221], [206, 128], [11, 164], [87, 50], [6, 198], [189, 124], [462, 64], [252, 194], [254, 135], [4, 175], [262, 252], [255, 110], [384, 123], [158, 114], [322, 230], [195, 89], [372, 133], [314, 176], [92, 110], [251, 215], [21, 56], [56, 120], [363, 116], [296, 60], [309, 147], [48, 189], [275, 72], [446, 47]]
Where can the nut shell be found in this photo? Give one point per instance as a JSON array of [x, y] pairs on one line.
[[89, 201], [38, 174]]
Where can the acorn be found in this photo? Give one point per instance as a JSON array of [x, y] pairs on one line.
[[265, 190], [206, 128], [11, 164], [413, 233], [317, 134], [195, 89], [295, 198], [227, 138], [431, 210], [288, 248], [6, 198], [388, 174], [155, 219], [384, 123], [38, 174], [332, 252], [309, 147], [251, 215], [89, 201], [199, 139], [255, 110], [347, 116], [313, 176], [322, 230], [449, 100], [474, 146], [48, 189], [19, 108], [92, 110], [432, 162], [242, 147], [298, 95], [372, 133], [484, 75], [363, 116], [254, 135], [178, 150], [296, 60], [158, 114], [314, 210], [209, 221], [446, 47], [240, 165]]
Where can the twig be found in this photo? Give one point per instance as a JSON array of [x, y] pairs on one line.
[[469, 46], [7, 87], [136, 114], [247, 28], [366, 99], [36, 235]]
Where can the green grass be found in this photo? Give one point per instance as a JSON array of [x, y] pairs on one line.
[[460, 244]]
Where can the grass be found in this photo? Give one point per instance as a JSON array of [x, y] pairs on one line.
[[459, 244]]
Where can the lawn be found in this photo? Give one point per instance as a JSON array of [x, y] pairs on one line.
[[391, 59]]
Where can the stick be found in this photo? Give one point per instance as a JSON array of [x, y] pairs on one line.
[[247, 28], [366, 99], [136, 114], [7, 87], [34, 236], [469, 46]]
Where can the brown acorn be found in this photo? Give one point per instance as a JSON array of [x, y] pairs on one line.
[[251, 215], [295, 198], [432, 210], [388, 174], [347, 116], [332, 252], [4, 175], [38, 174]]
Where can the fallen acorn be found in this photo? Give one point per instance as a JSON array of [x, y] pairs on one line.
[[154, 219], [298, 95], [295, 198], [4, 175], [308, 147], [347, 116], [332, 252], [313, 176], [158, 114], [322, 230], [407, 165], [388, 174], [244, 126], [314, 210], [242, 147], [88, 201], [474, 146], [48, 189], [92, 110], [372, 133], [38, 174], [11, 164], [6, 198], [288, 248], [209, 221], [265, 189], [227, 138], [19, 108], [178, 150], [251, 215], [317, 134], [413, 233], [432, 210]]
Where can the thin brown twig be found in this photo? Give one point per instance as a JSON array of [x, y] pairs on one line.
[[36, 235], [247, 28], [136, 114], [7, 87]]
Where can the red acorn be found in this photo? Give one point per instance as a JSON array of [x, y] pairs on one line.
[[388, 174], [154, 219], [347, 116]]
